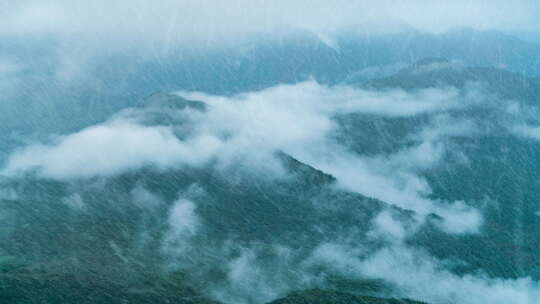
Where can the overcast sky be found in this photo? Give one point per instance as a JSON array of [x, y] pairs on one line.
[[188, 20]]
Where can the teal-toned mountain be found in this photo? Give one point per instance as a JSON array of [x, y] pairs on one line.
[[112, 238]]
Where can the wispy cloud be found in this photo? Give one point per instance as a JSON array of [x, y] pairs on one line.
[[249, 128]]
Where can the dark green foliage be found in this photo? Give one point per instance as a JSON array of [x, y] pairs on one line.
[[84, 289], [110, 250], [317, 296]]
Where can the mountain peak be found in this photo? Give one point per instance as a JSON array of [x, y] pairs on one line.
[[431, 60], [169, 100]]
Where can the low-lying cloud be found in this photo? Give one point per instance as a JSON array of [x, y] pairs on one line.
[[249, 128], [300, 120], [287, 118], [109, 149]]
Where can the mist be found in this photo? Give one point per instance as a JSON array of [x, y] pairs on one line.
[[266, 152]]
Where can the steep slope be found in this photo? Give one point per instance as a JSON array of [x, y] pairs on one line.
[[492, 165], [250, 230], [317, 296]]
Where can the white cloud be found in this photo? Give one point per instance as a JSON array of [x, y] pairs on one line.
[[109, 149], [419, 276], [249, 128], [385, 226], [182, 218], [527, 131], [248, 281], [74, 201], [144, 198], [286, 117], [297, 119], [183, 225], [310, 97], [459, 218]]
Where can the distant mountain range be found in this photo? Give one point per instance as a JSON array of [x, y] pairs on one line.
[[113, 81]]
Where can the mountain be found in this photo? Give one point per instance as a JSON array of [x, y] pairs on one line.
[[195, 232], [317, 296], [501, 169], [110, 82], [95, 231], [437, 72]]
